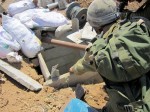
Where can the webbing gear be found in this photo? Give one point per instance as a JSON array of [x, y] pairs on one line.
[[129, 108], [120, 102], [124, 57], [128, 92], [121, 55]]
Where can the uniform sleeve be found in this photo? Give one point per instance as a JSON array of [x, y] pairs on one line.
[[83, 65]]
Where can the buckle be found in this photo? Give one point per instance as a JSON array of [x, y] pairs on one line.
[[128, 108], [140, 21]]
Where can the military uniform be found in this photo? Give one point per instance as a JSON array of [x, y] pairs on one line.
[[122, 58], [100, 13]]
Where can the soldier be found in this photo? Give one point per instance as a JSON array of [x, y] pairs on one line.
[[122, 58], [101, 15]]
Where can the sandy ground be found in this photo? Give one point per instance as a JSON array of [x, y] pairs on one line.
[[84, 3], [16, 98]]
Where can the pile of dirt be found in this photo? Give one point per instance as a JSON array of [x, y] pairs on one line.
[[16, 98], [6, 3], [84, 3]]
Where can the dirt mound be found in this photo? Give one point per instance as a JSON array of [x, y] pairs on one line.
[[16, 98], [84, 3]]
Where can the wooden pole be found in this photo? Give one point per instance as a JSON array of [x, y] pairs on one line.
[[64, 43]]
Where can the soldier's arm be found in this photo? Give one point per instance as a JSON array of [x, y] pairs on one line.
[[83, 65]]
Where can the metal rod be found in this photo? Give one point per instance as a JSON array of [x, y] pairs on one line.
[[63, 43]]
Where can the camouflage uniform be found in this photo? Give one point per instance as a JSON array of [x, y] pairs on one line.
[[122, 58], [99, 13]]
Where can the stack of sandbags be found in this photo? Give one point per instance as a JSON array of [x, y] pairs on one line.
[[41, 18], [30, 44], [20, 6], [9, 47], [50, 19]]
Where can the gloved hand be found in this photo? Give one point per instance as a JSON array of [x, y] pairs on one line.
[[82, 66]]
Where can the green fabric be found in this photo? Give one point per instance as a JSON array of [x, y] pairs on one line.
[[123, 55], [118, 101], [125, 52], [83, 65]]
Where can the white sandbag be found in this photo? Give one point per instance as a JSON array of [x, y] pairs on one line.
[[7, 47], [13, 57], [26, 16], [20, 6], [30, 44], [52, 19], [4, 50], [6, 39], [9, 54]]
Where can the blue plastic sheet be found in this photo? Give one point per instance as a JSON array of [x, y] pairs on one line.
[[76, 105]]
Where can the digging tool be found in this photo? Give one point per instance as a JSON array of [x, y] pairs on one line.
[[64, 43]]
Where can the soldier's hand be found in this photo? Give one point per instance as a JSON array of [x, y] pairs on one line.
[[71, 70]]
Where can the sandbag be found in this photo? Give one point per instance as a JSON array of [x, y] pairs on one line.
[[20, 6], [13, 57], [8, 46], [30, 44], [6, 38], [4, 50], [9, 54], [26, 17], [41, 18], [53, 19]]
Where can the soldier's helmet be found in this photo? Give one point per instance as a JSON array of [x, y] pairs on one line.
[[101, 12]]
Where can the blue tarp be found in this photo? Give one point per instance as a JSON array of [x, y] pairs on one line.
[[76, 105]]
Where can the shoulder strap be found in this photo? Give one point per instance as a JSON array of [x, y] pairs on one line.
[[146, 21], [111, 29]]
